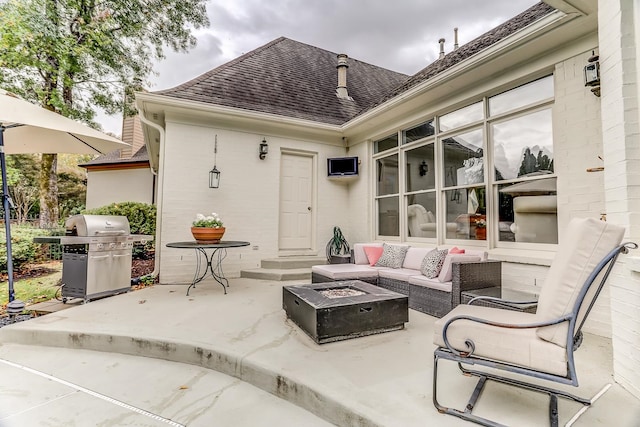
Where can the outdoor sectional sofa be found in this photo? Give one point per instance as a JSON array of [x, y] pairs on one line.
[[435, 296]]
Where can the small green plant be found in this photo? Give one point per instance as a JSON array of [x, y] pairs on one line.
[[337, 245]]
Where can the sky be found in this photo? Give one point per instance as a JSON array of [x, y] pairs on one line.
[[400, 35]]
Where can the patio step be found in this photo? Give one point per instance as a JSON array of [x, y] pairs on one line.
[[292, 262], [284, 268]]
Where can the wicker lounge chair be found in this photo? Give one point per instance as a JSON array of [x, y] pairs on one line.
[[539, 345]]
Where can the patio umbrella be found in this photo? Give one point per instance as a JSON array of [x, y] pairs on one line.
[[28, 128]]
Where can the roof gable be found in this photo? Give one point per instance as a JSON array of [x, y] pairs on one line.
[[293, 79]]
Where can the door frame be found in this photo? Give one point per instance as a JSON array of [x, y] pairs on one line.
[[313, 155]]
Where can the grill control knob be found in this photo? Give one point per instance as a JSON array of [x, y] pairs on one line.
[[100, 246], [112, 245]]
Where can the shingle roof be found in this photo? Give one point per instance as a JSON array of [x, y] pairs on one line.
[[113, 158], [292, 79], [482, 42]]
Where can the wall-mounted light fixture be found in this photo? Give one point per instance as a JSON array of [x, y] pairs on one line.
[[264, 149], [214, 174], [592, 74], [423, 168]]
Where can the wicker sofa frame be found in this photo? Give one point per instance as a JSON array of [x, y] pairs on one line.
[[435, 302]]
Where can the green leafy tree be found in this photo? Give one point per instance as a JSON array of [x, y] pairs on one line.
[[71, 56]]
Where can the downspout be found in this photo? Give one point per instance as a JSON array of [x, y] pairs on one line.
[[160, 129]]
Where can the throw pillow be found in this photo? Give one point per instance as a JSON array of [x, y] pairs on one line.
[[456, 250], [373, 254], [432, 263], [392, 256]]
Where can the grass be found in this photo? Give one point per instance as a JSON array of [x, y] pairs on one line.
[[31, 290]]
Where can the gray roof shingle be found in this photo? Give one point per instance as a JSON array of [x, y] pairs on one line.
[[293, 79]]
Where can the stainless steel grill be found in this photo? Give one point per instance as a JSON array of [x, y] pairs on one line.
[[96, 259]]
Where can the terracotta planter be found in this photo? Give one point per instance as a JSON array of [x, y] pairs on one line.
[[481, 233], [207, 235]]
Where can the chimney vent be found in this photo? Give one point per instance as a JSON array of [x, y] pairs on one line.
[[441, 41], [455, 38], [341, 91]]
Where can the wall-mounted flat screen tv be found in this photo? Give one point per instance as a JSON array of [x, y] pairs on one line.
[[342, 166]]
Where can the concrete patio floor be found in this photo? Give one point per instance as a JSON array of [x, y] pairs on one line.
[[157, 357]]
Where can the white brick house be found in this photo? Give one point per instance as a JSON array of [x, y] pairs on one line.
[[449, 138]]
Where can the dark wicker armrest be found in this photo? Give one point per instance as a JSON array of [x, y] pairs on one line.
[[474, 275]]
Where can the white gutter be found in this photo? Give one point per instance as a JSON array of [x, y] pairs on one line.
[[159, 196]]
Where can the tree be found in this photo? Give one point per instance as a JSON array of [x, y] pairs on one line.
[[72, 56]]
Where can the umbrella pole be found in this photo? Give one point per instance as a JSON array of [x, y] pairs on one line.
[[7, 215]]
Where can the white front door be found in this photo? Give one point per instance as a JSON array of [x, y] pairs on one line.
[[296, 191]]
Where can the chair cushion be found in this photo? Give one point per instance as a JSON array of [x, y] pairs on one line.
[[446, 272], [432, 263], [397, 273], [585, 243], [521, 347], [413, 258], [392, 256], [373, 254], [344, 271], [422, 280]]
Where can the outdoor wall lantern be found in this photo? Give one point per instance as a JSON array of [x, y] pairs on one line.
[[423, 168], [214, 174], [264, 149], [592, 74]]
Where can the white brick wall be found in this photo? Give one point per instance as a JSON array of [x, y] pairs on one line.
[[619, 68], [248, 197]]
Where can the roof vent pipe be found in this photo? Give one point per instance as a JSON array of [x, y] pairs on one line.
[[441, 41], [341, 91], [455, 38]]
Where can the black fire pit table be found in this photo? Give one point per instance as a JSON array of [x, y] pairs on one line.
[[336, 311]]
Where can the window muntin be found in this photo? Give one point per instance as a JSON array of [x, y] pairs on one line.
[[463, 159], [385, 144], [523, 145], [521, 96], [420, 172], [469, 114], [418, 132]]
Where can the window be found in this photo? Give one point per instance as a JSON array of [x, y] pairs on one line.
[[439, 183]]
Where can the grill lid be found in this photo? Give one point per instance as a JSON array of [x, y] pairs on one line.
[[97, 225]]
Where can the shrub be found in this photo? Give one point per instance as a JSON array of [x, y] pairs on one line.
[[23, 249], [142, 220]]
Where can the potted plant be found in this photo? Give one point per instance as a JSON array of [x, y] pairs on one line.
[[207, 229], [338, 251], [481, 229]]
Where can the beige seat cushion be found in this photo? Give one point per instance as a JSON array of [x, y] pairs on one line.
[[397, 273], [521, 347], [585, 243], [345, 271], [413, 258], [423, 280], [446, 272]]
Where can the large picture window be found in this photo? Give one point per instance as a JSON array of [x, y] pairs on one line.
[[434, 180]]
